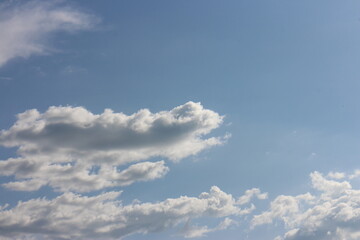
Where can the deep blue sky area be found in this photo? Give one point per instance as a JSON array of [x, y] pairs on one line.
[[285, 74]]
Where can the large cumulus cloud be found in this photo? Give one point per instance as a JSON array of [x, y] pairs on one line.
[[70, 148]]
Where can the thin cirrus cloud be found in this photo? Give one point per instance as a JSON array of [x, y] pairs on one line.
[[333, 213], [24, 28], [72, 149], [71, 216]]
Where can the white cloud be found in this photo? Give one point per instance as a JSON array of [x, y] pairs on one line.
[[336, 175], [332, 214], [73, 178], [70, 148], [193, 231], [328, 187], [71, 216], [281, 207], [249, 194], [25, 27], [355, 174]]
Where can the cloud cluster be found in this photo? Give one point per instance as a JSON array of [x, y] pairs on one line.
[[72, 149], [24, 28], [332, 214], [71, 216]]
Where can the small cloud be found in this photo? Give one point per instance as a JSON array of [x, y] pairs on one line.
[[5, 78], [312, 156], [194, 231], [250, 194], [73, 70], [355, 174], [336, 175]]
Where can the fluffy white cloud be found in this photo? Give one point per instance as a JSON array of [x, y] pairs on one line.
[[74, 178], [70, 148], [333, 214], [71, 216], [249, 194], [24, 27], [336, 175]]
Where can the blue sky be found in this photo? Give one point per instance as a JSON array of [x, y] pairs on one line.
[[242, 95]]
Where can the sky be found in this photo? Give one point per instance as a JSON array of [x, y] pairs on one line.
[[164, 119]]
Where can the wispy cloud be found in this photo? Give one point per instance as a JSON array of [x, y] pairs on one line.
[[5, 78], [25, 27]]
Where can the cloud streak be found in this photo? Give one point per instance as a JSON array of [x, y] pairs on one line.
[[26, 27]]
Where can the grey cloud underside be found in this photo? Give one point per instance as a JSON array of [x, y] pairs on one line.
[[62, 146], [72, 216], [98, 135]]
